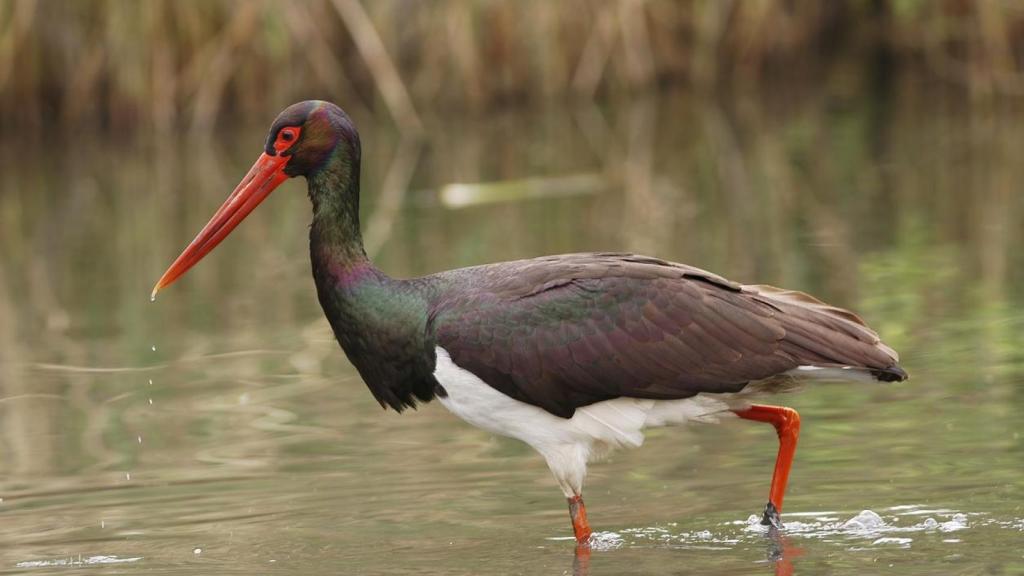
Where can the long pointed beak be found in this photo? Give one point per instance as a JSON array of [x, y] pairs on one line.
[[265, 175]]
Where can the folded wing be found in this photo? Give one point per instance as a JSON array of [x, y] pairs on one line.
[[567, 331]]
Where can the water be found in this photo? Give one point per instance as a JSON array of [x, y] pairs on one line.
[[264, 453]]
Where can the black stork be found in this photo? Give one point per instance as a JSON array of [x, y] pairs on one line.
[[573, 354]]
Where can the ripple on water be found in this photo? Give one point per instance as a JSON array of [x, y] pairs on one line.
[[76, 561]]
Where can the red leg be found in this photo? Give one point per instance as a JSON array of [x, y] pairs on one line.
[[787, 424], [578, 514]]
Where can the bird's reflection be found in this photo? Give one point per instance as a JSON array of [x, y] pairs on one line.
[[780, 553], [581, 560]]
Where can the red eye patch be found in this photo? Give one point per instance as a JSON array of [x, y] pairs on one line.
[[286, 137]]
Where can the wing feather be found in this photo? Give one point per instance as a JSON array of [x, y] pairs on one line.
[[568, 331]]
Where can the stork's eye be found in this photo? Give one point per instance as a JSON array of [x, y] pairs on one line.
[[286, 137]]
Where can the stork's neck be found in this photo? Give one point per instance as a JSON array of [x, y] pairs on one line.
[[379, 322], [334, 236]]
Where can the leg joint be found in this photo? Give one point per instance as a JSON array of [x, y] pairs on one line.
[[788, 424], [786, 421]]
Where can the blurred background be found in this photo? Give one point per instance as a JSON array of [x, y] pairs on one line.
[[164, 65], [866, 151]]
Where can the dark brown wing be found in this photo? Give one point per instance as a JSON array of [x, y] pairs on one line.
[[567, 331]]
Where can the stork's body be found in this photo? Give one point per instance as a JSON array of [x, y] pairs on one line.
[[572, 354]]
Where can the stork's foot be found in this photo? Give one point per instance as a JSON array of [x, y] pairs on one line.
[[771, 517]]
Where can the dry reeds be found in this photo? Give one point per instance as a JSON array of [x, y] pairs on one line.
[[161, 64]]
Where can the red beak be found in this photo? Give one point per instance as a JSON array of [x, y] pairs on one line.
[[265, 175]]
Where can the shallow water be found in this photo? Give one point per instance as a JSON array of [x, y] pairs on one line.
[[219, 430]]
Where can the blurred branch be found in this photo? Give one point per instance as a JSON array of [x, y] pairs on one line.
[[635, 37], [461, 195], [324, 63], [392, 195], [210, 85], [372, 49], [714, 19], [11, 36], [596, 51], [463, 47]]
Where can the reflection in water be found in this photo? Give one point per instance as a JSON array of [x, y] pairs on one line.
[[780, 555], [581, 560], [262, 448], [781, 552]]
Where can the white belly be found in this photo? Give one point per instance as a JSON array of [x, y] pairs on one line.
[[567, 443]]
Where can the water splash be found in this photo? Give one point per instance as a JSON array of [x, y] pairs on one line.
[[867, 520], [958, 522], [870, 524], [892, 527], [606, 541]]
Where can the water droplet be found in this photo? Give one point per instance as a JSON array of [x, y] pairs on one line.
[[150, 381], [103, 524], [127, 475], [197, 551], [140, 439], [153, 347], [150, 401]]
